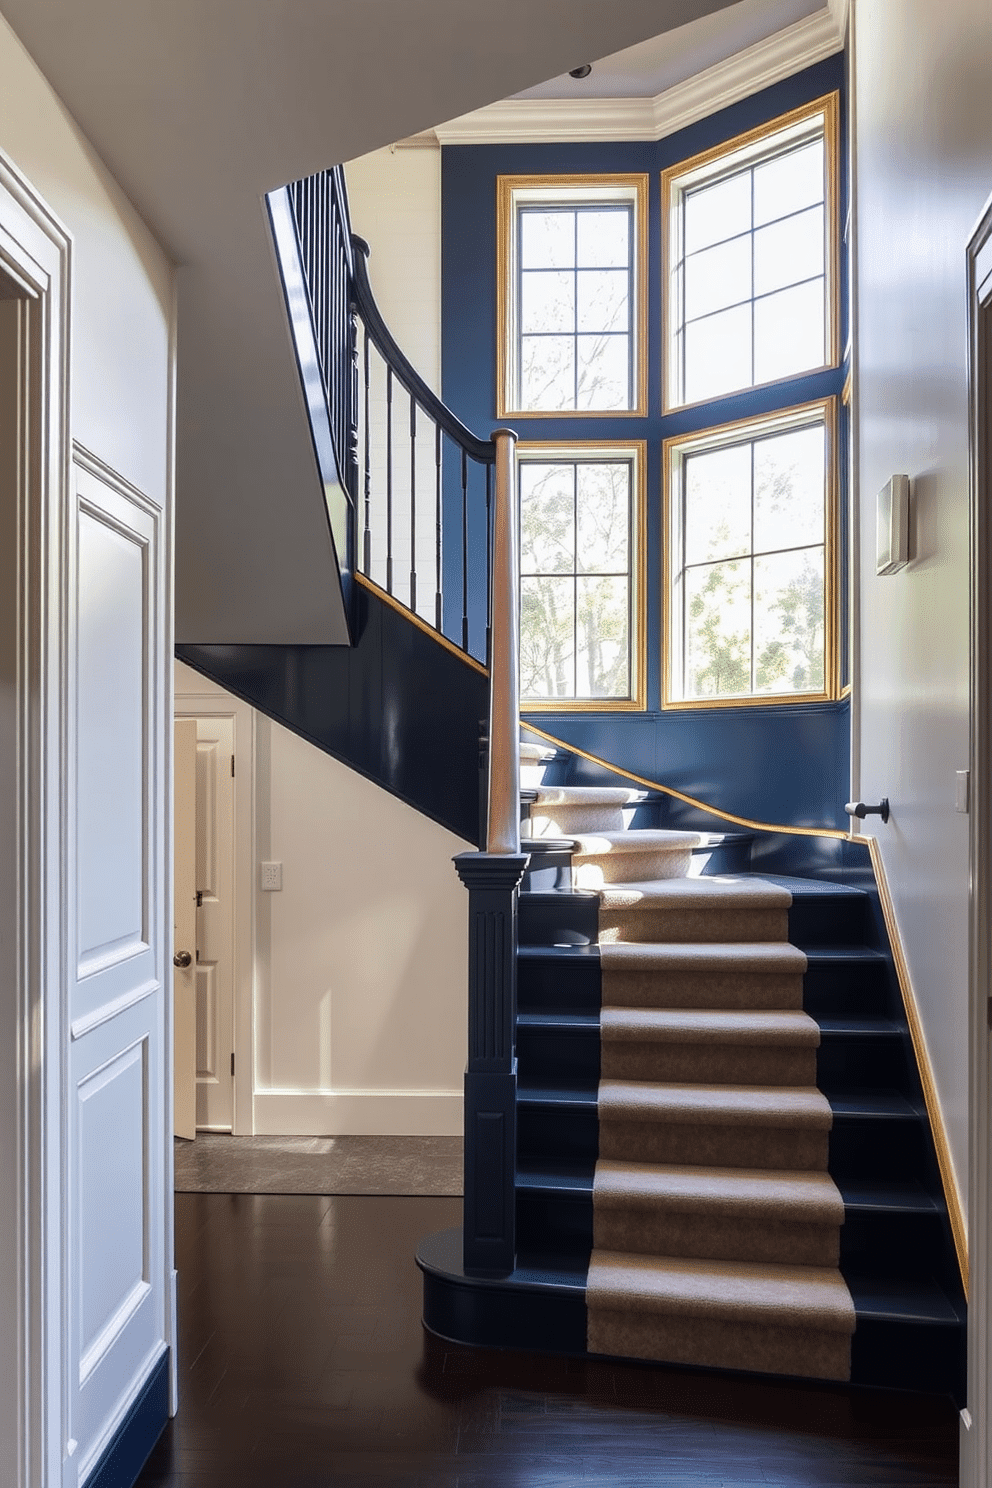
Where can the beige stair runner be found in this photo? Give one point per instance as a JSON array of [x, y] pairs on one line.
[[716, 1224]]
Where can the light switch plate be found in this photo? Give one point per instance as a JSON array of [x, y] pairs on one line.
[[271, 877], [962, 791]]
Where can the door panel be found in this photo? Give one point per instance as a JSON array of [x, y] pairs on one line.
[[115, 1178]]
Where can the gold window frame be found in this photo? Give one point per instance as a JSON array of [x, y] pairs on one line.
[[567, 190], [539, 450], [724, 160], [674, 451]]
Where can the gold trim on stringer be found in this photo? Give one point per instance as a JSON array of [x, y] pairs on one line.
[[574, 449], [424, 625], [829, 107], [798, 416], [505, 330], [948, 1177]]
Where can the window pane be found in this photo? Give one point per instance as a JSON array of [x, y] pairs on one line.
[[547, 618], [547, 302], [788, 621], [789, 332], [788, 183], [789, 489], [604, 238], [547, 518], [788, 251], [547, 239], [718, 354], [718, 630], [602, 651], [603, 300], [547, 372], [716, 212], [604, 372], [717, 277], [603, 502], [718, 504]]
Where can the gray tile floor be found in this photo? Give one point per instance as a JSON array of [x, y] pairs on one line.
[[219, 1163]]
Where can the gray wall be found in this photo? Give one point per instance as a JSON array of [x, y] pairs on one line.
[[923, 80]]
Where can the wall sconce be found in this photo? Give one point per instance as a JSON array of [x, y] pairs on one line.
[[892, 526]]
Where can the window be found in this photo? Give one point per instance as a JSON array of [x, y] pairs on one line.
[[750, 519], [581, 592], [751, 258], [572, 290]]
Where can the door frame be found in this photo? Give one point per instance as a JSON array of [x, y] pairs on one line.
[[218, 704], [976, 1444], [36, 253]]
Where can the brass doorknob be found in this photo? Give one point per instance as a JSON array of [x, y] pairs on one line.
[[182, 959]]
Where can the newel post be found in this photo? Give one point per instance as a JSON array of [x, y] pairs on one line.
[[493, 878]]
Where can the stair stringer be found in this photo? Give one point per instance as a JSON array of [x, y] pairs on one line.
[[400, 706]]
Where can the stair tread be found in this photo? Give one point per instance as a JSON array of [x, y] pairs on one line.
[[540, 1177], [814, 888], [900, 1299], [558, 953], [634, 840], [584, 1022], [828, 954], [867, 1027], [561, 1096], [870, 1195], [883, 1105], [586, 795], [775, 1194]]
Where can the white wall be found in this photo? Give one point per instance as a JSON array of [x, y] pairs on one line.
[[120, 410], [923, 78], [360, 962]]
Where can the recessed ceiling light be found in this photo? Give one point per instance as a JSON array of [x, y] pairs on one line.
[[581, 72]]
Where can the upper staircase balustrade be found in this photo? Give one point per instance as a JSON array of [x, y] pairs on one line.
[[420, 507]]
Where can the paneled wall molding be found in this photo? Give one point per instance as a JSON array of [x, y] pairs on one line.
[[565, 120], [362, 1113]]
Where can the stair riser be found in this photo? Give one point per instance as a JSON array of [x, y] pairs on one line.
[[547, 871], [845, 1061], [708, 1064], [849, 989], [592, 871], [827, 919], [712, 1237], [908, 1356], [553, 1136], [692, 926], [553, 1224], [729, 858], [548, 988], [890, 1244], [864, 1148], [721, 1345], [704, 1145], [558, 1055], [715, 990], [558, 919]]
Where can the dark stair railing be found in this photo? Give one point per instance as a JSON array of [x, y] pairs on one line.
[[406, 479], [401, 473]]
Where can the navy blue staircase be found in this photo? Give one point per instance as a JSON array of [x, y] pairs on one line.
[[897, 1253]]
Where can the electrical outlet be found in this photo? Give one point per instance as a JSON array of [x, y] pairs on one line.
[[271, 877]]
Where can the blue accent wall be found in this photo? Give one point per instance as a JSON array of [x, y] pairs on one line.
[[785, 763]]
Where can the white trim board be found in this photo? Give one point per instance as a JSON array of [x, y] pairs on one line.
[[359, 1113], [567, 120]]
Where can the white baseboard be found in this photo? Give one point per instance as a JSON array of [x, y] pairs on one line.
[[359, 1113]]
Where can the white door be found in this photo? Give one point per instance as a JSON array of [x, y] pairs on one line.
[[215, 923], [184, 932]]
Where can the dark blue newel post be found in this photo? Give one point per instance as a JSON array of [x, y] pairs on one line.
[[493, 882]]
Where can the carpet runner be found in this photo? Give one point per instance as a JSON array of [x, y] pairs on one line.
[[716, 1225]]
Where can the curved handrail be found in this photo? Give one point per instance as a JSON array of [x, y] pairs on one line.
[[483, 450]]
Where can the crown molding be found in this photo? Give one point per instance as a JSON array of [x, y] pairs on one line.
[[567, 120]]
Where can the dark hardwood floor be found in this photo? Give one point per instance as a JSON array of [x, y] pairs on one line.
[[303, 1363]]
